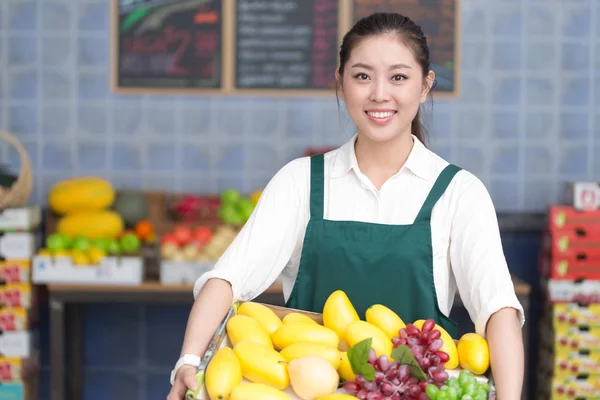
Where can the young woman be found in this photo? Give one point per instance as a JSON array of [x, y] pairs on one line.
[[382, 218]]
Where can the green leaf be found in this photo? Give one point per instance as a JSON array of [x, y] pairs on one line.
[[358, 356], [403, 355]]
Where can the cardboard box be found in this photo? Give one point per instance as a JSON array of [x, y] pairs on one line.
[[570, 265], [15, 271], [183, 272], [25, 389], [20, 219], [282, 312], [110, 271], [13, 369], [568, 218], [572, 291]]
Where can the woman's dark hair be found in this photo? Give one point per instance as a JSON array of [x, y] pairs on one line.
[[390, 23]]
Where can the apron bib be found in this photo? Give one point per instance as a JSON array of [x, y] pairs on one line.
[[372, 263]]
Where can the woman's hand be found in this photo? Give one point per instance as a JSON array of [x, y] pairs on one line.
[[184, 379]]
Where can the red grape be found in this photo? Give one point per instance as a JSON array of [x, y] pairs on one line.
[[402, 333], [372, 356], [444, 357], [412, 330], [435, 345], [403, 373], [428, 325], [362, 394], [425, 338], [414, 390], [351, 387], [434, 335], [383, 363], [375, 396]]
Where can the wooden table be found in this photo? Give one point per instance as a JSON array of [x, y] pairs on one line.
[[65, 302]]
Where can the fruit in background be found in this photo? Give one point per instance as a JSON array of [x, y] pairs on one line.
[[255, 196], [203, 234], [230, 215], [312, 377], [245, 207], [112, 247], [473, 353], [101, 244], [132, 205], [57, 241], [80, 194], [92, 224], [80, 258], [182, 234], [44, 252], [81, 243], [190, 208], [61, 253], [230, 197], [95, 255], [129, 242], [145, 230], [169, 238], [169, 250]]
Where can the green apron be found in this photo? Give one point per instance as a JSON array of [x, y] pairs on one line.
[[372, 263]]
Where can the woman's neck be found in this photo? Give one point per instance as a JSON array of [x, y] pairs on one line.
[[381, 160]]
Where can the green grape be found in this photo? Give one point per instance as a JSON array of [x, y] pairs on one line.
[[466, 397], [432, 391], [480, 396], [453, 392], [463, 378], [444, 388], [443, 395], [453, 382], [469, 388], [485, 386]]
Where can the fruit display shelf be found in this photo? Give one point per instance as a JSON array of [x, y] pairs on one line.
[[225, 337]]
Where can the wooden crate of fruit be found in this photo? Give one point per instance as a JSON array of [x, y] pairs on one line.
[[268, 352]]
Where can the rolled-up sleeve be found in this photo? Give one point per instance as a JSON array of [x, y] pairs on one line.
[[476, 255], [263, 247]]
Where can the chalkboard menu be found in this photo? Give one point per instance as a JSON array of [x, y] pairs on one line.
[[286, 44], [167, 43], [438, 19]]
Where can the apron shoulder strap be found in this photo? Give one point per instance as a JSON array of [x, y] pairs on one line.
[[438, 189], [317, 185]]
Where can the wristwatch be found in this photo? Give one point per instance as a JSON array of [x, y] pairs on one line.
[[187, 359]]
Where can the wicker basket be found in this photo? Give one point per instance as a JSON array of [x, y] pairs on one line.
[[18, 194]]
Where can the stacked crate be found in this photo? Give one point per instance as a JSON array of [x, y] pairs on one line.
[[19, 351], [569, 348]]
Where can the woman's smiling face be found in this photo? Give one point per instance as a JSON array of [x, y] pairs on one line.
[[383, 86]]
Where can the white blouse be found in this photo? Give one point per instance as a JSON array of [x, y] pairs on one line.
[[467, 250]]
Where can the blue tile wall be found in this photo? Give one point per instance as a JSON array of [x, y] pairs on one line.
[[525, 122], [528, 74]]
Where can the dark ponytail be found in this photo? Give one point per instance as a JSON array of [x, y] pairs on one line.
[[410, 33]]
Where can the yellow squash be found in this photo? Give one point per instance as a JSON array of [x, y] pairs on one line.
[[80, 194], [385, 319], [297, 317], [473, 353], [261, 314], [223, 373], [338, 312], [449, 346], [360, 330], [103, 224], [345, 369], [304, 332], [241, 327], [299, 350], [257, 391], [262, 364]]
